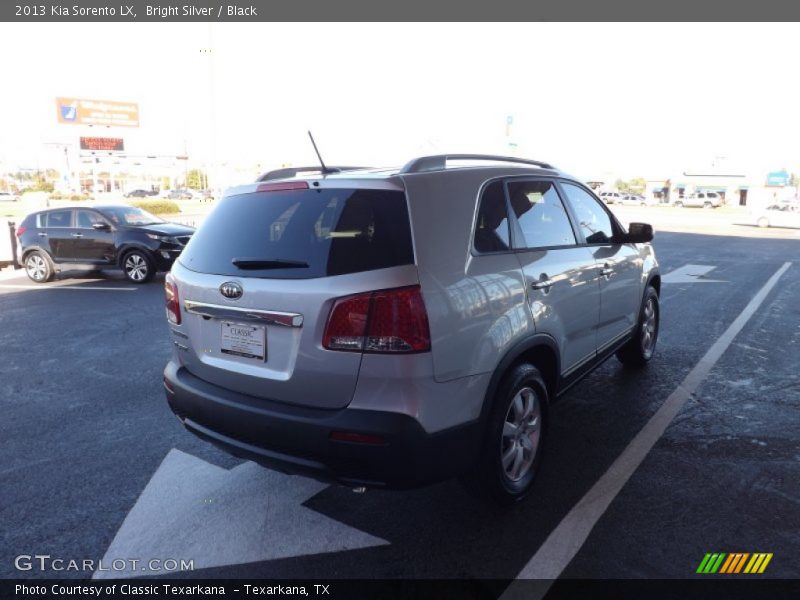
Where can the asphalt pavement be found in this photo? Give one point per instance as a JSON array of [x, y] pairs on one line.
[[97, 467]]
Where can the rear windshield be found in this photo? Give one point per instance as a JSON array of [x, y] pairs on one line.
[[302, 234]]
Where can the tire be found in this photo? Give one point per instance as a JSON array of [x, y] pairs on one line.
[[763, 222], [679, 204], [641, 347], [707, 205], [510, 457], [137, 266], [39, 267]]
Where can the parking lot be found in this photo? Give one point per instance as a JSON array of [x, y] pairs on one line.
[[97, 467]]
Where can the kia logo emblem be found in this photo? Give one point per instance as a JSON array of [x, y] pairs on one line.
[[231, 290]]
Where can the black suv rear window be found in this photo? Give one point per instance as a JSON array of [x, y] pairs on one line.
[[301, 234]]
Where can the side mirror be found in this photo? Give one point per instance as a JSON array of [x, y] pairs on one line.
[[639, 233], [101, 226]]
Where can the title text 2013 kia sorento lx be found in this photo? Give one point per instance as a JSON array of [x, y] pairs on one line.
[[392, 328]]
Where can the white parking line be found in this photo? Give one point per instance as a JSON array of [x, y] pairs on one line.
[[568, 537], [65, 287]]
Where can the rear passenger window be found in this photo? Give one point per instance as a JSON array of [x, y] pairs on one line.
[[593, 220], [59, 218], [540, 213], [491, 229]]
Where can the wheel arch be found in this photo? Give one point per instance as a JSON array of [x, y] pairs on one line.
[[125, 248], [540, 350]]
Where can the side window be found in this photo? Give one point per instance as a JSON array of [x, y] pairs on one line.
[[59, 218], [491, 229], [593, 220], [87, 218], [541, 215]]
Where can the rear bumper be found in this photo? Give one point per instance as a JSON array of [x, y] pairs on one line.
[[297, 439]]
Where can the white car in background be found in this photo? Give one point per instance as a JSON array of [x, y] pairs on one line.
[[636, 200], [701, 199], [610, 197], [782, 214]]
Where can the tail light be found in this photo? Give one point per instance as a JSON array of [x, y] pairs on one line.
[[20, 230], [388, 321], [284, 186], [173, 302]]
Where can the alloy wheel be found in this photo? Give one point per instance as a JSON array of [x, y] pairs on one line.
[[36, 267], [521, 434], [136, 267]]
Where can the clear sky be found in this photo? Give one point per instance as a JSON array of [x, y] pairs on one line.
[[632, 99]]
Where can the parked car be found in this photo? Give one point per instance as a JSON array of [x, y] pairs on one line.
[[634, 200], [780, 214], [180, 195], [8, 197], [700, 199], [610, 197], [375, 329], [103, 237], [141, 193]]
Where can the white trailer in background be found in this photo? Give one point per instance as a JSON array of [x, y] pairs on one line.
[[7, 243]]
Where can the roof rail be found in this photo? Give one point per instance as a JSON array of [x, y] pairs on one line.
[[292, 171], [439, 162]]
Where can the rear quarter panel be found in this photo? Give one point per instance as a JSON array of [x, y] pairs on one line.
[[476, 305]]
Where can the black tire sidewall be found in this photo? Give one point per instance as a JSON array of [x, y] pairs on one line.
[[499, 486], [148, 261]]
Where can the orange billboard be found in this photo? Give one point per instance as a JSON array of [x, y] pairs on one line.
[[81, 111]]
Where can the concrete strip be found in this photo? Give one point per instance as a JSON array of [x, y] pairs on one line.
[[568, 537]]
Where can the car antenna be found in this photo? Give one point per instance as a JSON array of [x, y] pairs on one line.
[[325, 169]]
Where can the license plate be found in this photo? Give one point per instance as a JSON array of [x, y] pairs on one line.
[[247, 341]]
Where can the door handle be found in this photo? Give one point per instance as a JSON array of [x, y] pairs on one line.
[[606, 271], [77, 235], [542, 284], [42, 234]]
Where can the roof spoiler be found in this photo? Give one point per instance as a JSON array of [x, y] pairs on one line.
[[293, 171]]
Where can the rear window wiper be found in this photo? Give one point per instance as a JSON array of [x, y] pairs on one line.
[[268, 263]]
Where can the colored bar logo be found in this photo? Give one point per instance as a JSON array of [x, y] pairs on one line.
[[734, 562]]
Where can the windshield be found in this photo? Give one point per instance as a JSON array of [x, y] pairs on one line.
[[131, 215]]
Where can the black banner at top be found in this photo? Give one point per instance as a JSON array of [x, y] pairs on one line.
[[395, 10]]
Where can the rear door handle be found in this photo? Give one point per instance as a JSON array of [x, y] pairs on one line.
[[77, 235], [42, 234], [542, 284]]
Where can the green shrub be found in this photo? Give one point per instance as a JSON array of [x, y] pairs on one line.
[[158, 207]]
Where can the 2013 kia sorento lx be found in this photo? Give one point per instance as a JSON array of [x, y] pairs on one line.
[[393, 328]]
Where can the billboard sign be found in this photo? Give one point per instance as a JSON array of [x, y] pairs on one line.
[[778, 178], [81, 111], [102, 144]]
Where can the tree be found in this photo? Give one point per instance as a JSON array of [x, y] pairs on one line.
[[196, 179], [622, 186]]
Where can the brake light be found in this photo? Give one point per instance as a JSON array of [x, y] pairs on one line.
[[284, 186], [173, 302], [388, 321], [20, 230]]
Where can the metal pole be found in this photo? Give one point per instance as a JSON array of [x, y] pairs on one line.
[[12, 230]]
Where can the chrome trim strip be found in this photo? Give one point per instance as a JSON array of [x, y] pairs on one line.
[[270, 317], [180, 334], [180, 346]]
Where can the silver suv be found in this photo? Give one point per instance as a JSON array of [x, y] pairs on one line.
[[397, 327]]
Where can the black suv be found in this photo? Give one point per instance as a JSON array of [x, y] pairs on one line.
[[118, 236]]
